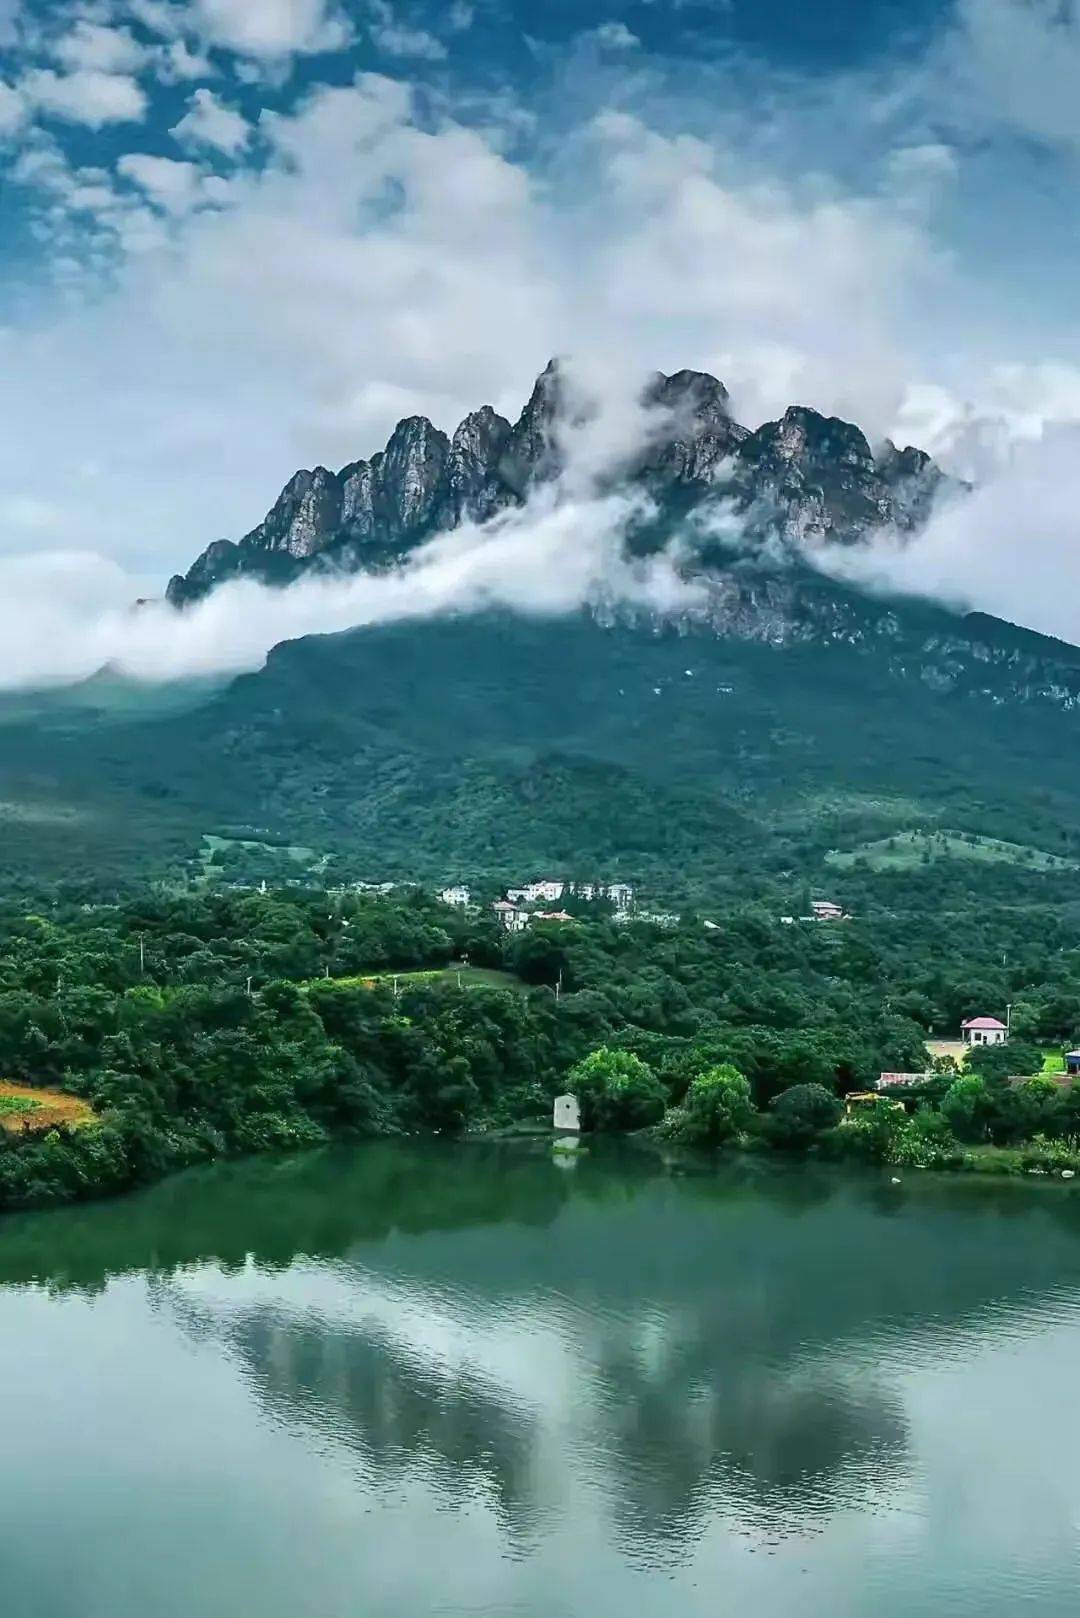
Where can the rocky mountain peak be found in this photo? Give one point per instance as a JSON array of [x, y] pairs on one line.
[[807, 476]]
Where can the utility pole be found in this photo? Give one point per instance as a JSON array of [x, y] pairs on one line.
[[142, 955]]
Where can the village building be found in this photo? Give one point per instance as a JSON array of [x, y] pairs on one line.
[[901, 1081], [825, 910], [550, 915], [983, 1031], [1072, 1062], [457, 896], [511, 916], [548, 891]]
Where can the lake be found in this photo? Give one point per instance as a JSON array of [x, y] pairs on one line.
[[403, 1379]]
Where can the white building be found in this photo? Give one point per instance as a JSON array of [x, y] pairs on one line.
[[458, 896], [983, 1031], [825, 910], [549, 892], [621, 895], [567, 1113]]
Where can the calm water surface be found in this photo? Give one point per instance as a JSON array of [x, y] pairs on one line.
[[402, 1380]]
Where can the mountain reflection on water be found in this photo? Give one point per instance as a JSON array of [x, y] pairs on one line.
[[661, 1355]]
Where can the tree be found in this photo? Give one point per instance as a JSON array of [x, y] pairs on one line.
[[718, 1106], [802, 1112], [966, 1108], [617, 1091], [1002, 1061]]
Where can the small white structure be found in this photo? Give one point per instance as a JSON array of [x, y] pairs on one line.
[[825, 910], [567, 1113], [621, 895], [983, 1031], [458, 896]]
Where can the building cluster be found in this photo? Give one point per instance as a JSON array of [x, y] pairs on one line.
[[820, 910], [538, 901]]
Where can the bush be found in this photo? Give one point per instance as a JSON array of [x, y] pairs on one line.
[[925, 1142], [803, 1112]]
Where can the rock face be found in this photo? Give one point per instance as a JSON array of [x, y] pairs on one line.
[[807, 477]]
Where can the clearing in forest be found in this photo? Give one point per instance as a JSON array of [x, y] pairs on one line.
[[467, 977], [906, 850], [26, 1110]]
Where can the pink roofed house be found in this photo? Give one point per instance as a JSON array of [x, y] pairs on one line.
[[983, 1031]]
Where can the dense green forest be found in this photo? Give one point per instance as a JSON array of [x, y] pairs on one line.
[[218, 1024]]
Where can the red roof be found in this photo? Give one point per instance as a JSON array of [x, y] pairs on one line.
[[982, 1022]]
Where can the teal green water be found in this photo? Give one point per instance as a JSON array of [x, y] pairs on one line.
[[405, 1380]]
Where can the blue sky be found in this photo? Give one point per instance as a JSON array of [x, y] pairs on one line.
[[239, 236]]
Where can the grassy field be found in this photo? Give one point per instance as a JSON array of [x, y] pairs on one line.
[[23, 1108], [467, 976], [908, 849]]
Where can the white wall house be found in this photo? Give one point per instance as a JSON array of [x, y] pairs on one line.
[[983, 1031], [456, 896]]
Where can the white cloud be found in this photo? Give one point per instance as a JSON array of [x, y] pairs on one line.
[[177, 63], [269, 29], [614, 36], [1017, 62], [64, 615], [85, 97], [173, 186], [396, 38], [1012, 548], [13, 109], [94, 47], [210, 122]]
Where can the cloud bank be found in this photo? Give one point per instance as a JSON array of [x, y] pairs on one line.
[[65, 616], [1011, 548]]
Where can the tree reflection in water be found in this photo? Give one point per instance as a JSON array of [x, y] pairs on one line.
[[676, 1351]]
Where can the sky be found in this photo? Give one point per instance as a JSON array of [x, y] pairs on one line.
[[238, 237]]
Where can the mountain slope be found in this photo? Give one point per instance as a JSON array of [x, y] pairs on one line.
[[499, 745]]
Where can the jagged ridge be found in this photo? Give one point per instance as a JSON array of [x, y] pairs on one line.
[[807, 477]]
